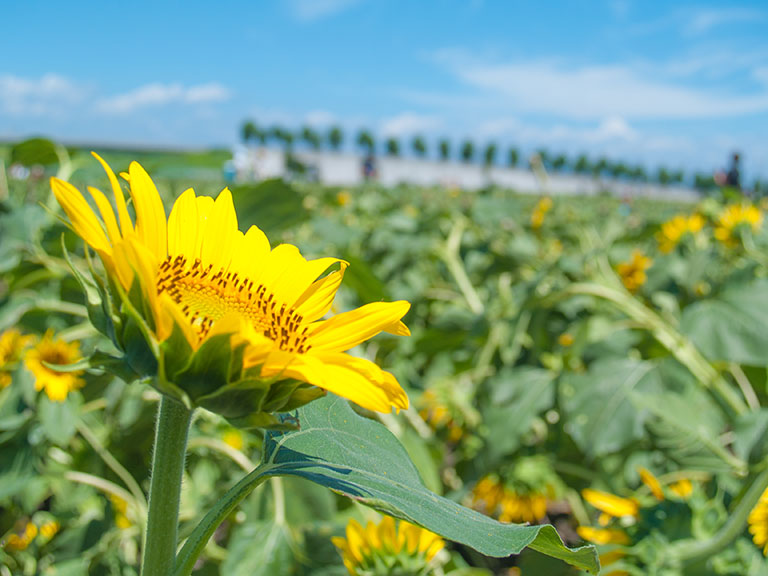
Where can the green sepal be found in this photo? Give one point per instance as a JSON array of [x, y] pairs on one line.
[[94, 300], [210, 367], [263, 420], [175, 354], [237, 399]]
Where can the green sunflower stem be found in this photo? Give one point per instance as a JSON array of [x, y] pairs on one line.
[[173, 420]]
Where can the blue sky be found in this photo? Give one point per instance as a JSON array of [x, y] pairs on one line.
[[645, 81]]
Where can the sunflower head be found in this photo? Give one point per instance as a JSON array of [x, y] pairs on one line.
[[49, 352], [12, 344], [633, 272], [758, 523], [735, 220], [675, 230], [219, 318], [388, 548]]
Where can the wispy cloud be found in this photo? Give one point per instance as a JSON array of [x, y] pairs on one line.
[[320, 118], [409, 123], [50, 94], [702, 21], [310, 10], [157, 94], [595, 91]]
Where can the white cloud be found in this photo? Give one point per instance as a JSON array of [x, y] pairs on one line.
[[309, 10], [158, 94], [595, 91], [409, 123], [320, 118], [702, 21], [47, 95]]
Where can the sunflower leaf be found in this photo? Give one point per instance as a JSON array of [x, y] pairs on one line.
[[361, 459]]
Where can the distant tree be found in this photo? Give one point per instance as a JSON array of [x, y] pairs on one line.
[[677, 177], [281, 136], [582, 165], [489, 155], [663, 176], [618, 169], [600, 167], [444, 146], [248, 131], [467, 151], [311, 137], [638, 173], [419, 146], [366, 142], [559, 162], [393, 147], [335, 137], [513, 157]]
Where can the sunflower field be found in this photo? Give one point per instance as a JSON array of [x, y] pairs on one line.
[[501, 384]]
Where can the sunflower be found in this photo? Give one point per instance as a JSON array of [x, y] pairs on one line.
[[673, 231], [508, 504], [195, 280], [388, 548], [12, 344], [632, 272], [21, 541], [758, 523], [50, 350], [734, 218]]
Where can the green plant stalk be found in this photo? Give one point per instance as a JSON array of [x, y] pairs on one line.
[[197, 541], [677, 344], [173, 420], [694, 551]]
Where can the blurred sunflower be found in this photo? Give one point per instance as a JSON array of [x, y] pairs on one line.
[[196, 275], [436, 412], [12, 344], [603, 535], [540, 211], [653, 484], [758, 523], [673, 231], [21, 540], [610, 505], [632, 272], [50, 350], [506, 504], [734, 218], [388, 548]]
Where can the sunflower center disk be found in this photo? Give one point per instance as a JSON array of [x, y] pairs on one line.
[[205, 296]]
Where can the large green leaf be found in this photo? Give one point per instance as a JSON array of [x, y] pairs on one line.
[[733, 326], [361, 459], [517, 396], [273, 556], [602, 417]]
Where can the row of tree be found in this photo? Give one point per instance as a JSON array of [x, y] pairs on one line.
[[333, 139]]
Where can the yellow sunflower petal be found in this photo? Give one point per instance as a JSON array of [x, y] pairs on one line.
[[347, 330], [220, 232], [183, 227], [107, 214], [151, 225], [341, 380], [318, 299], [126, 226], [80, 214]]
